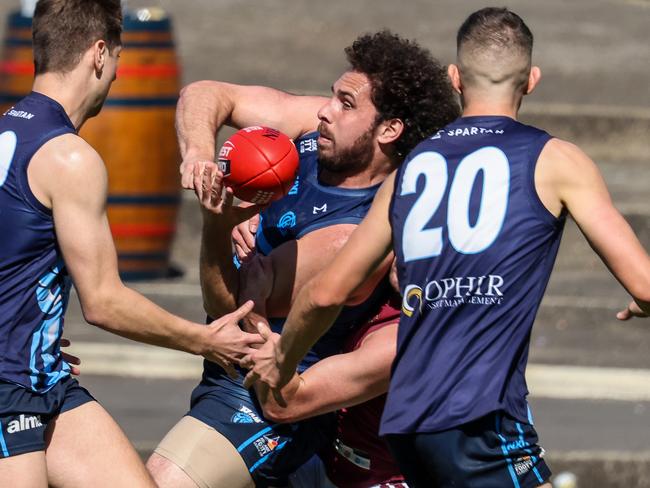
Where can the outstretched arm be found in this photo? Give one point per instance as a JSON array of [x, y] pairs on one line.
[[202, 109], [336, 382], [567, 177], [204, 106], [321, 299], [78, 200]]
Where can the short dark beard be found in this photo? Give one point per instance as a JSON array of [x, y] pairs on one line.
[[354, 159]]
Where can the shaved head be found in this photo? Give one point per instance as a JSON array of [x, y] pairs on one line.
[[494, 49]]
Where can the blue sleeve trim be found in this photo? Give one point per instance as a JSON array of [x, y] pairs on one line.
[[262, 243]]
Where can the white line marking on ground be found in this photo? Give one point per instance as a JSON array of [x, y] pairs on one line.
[[588, 383], [608, 303], [168, 289], [563, 382], [135, 360], [193, 290]]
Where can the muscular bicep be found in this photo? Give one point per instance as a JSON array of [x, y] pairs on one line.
[[78, 199], [244, 106], [343, 380]]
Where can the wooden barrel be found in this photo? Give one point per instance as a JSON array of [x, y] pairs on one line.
[[16, 64], [134, 134]]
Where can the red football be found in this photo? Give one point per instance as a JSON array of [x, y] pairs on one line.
[[259, 164]]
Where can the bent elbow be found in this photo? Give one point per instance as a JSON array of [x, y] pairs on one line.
[[197, 87], [326, 296], [102, 306], [94, 311]]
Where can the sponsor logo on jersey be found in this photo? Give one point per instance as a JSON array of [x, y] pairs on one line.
[[245, 416], [453, 292], [308, 145], [412, 294], [294, 188], [19, 113], [523, 465], [24, 423], [467, 131], [266, 444]]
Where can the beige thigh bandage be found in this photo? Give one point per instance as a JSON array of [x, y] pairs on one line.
[[204, 455]]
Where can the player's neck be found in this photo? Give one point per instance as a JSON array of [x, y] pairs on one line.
[[489, 109], [374, 174], [68, 91], [491, 105]]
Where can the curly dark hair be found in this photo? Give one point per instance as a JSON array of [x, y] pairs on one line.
[[408, 83]]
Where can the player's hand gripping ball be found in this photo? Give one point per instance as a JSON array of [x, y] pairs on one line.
[[259, 164]]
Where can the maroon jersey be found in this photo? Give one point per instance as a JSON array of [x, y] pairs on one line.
[[360, 458]]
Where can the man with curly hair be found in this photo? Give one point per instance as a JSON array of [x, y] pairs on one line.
[[393, 95], [475, 217]]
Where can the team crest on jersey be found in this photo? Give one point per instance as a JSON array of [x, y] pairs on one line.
[[286, 222], [245, 416]]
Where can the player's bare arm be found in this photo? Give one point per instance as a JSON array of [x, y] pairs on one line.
[[295, 263], [339, 381], [78, 199], [567, 177], [205, 106], [321, 299]]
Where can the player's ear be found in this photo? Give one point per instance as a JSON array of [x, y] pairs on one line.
[[390, 130], [454, 76], [533, 78], [100, 52]]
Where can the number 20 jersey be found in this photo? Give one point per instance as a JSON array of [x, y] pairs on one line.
[[475, 247]]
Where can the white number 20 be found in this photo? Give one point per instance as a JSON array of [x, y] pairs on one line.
[[8, 143], [421, 243]]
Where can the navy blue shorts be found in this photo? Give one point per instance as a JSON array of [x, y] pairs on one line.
[[495, 450], [271, 451], [24, 414]]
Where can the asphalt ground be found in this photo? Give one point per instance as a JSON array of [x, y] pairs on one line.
[[589, 374]]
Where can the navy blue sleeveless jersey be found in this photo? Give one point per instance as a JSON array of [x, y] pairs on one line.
[[311, 205], [34, 285], [475, 247]]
